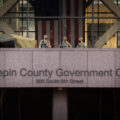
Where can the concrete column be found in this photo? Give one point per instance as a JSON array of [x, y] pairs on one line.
[[60, 107]]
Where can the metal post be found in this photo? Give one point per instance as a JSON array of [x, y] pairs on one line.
[[22, 17], [60, 23], [93, 41], [98, 18], [28, 10]]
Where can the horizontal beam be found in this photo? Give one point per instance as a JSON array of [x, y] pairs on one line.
[[7, 6], [5, 28], [3, 10], [111, 5], [106, 37], [95, 61]]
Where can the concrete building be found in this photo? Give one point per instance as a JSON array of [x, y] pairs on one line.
[[55, 83]]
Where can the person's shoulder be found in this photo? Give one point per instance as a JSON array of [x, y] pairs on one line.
[[48, 41]]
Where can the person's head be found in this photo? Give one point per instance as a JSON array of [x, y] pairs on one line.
[[45, 37], [81, 39], [65, 38]]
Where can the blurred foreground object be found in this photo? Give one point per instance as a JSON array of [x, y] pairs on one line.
[[7, 41], [16, 41]]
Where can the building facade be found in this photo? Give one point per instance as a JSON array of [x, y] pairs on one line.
[[55, 83]]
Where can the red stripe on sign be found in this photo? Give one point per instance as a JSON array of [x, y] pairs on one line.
[[68, 20], [43, 28], [76, 12], [36, 31], [52, 33]]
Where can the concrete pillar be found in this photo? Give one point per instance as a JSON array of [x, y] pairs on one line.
[[60, 107]]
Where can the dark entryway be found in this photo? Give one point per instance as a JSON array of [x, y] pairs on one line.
[[27, 104], [94, 104], [60, 104]]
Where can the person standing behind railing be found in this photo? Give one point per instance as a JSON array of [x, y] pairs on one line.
[[45, 43], [65, 43], [81, 43]]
